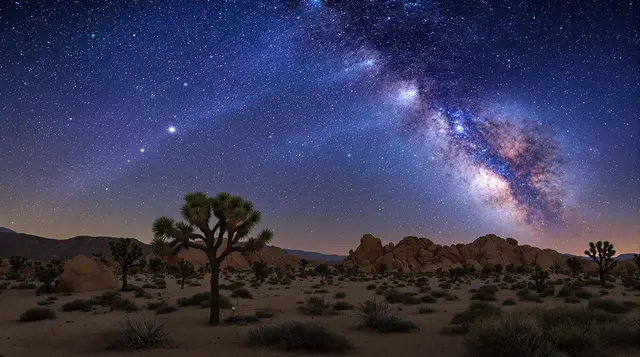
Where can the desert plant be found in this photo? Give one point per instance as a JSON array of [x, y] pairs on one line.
[[37, 314], [636, 259], [612, 306], [377, 315], [540, 278], [498, 269], [316, 306], [18, 265], [48, 273], [383, 268], [185, 270], [235, 218], [242, 293], [303, 265], [156, 265], [510, 269], [477, 310], [602, 253], [355, 269], [323, 270], [575, 265], [299, 336], [260, 270], [141, 335], [126, 252], [456, 273]]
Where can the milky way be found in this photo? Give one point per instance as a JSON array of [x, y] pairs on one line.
[[447, 120]]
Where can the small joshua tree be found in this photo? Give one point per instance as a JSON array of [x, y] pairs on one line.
[[99, 257], [303, 265], [355, 269], [602, 253], [126, 252], [555, 269], [18, 265], [636, 259], [340, 269], [456, 273], [486, 270], [510, 269], [156, 265], [383, 268], [575, 265], [498, 269], [185, 270], [540, 278], [323, 270], [260, 270], [48, 273]]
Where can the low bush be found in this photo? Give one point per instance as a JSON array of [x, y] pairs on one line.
[[141, 335], [299, 336], [37, 314], [377, 315]]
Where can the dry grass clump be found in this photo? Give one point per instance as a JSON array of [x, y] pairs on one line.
[[377, 315], [141, 334], [37, 314], [299, 336]]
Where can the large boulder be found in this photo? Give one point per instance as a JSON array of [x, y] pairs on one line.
[[82, 274]]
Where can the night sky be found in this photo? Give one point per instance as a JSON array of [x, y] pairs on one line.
[[447, 120]]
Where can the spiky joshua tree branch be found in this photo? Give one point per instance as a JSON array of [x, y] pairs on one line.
[[220, 219]]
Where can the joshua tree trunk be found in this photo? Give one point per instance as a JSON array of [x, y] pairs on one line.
[[125, 272], [214, 297], [601, 273], [182, 282]]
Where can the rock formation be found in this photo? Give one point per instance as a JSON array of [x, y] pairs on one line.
[[413, 253], [82, 274]]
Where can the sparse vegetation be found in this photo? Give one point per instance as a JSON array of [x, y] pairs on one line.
[[127, 253], [602, 253], [377, 315], [142, 334], [37, 314], [299, 336]]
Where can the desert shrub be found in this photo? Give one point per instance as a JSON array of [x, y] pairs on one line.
[[77, 305], [299, 336], [612, 306], [37, 314], [371, 286], [264, 314], [571, 299], [531, 298], [44, 303], [340, 295], [509, 302], [320, 291], [235, 285], [242, 293], [394, 296], [106, 298], [477, 309], [202, 299], [342, 305], [124, 305], [26, 286], [512, 335], [411, 300], [583, 294], [377, 315], [141, 335], [163, 310], [156, 305], [445, 285], [316, 306], [428, 299], [241, 319], [425, 310], [149, 286], [484, 295], [439, 293]]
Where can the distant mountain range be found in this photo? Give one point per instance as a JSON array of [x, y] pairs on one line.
[[315, 256], [39, 248], [621, 257]]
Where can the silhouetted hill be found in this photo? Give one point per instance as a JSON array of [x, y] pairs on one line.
[[6, 230], [315, 256], [621, 257], [38, 248]]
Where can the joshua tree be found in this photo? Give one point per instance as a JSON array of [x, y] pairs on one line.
[[486, 270], [509, 269], [383, 268], [18, 265], [355, 269], [636, 259], [48, 273], [303, 265], [99, 257], [498, 269], [160, 247], [184, 269], [555, 269], [456, 273], [340, 269], [126, 252], [540, 277], [260, 270], [223, 221], [575, 265], [155, 265], [323, 270], [602, 253]]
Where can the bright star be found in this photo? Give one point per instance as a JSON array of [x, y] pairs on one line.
[[142, 150], [172, 129], [459, 128]]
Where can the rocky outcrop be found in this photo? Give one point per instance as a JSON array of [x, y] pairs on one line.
[[82, 274], [413, 253]]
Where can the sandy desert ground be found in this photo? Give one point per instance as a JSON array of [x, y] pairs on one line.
[[89, 333]]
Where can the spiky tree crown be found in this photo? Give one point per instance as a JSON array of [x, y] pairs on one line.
[[156, 264], [234, 219], [185, 267], [125, 251], [602, 253], [47, 273], [19, 263]]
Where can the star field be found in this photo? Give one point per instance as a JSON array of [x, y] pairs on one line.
[[446, 120]]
